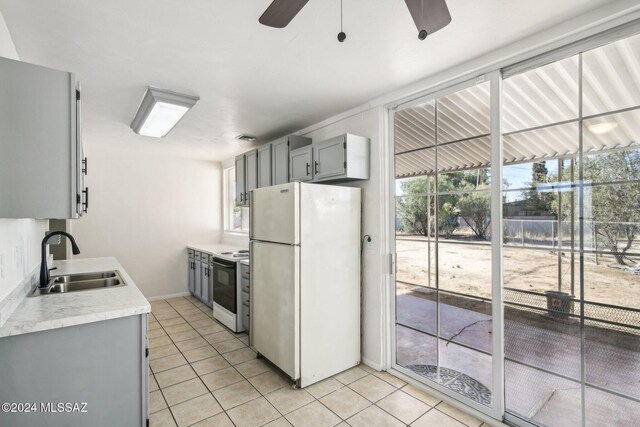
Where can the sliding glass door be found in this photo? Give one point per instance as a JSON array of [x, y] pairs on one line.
[[571, 203], [559, 285], [444, 319]]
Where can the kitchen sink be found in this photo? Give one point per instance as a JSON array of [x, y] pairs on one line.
[[80, 282], [83, 277]]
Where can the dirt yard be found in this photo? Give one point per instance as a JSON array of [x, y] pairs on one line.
[[467, 269]]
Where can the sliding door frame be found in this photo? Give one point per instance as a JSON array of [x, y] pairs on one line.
[[495, 74], [496, 410]]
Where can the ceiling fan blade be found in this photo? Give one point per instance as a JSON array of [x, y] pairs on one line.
[[281, 12], [429, 15]]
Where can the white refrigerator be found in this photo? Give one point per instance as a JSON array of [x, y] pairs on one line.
[[305, 278]]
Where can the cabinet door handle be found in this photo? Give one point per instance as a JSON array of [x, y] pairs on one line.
[[308, 171], [315, 169], [85, 204], [85, 166]]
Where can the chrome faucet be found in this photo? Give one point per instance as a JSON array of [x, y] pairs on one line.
[[44, 270]]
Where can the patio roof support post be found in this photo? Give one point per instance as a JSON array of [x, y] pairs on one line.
[[497, 231], [573, 228], [560, 227]]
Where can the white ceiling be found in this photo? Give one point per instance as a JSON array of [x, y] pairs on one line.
[[251, 78]]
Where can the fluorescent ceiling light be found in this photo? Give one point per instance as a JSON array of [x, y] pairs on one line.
[[160, 110], [600, 128]]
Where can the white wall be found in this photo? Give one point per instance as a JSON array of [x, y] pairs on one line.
[[19, 238], [144, 209], [367, 124]]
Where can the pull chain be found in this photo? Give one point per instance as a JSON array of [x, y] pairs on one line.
[[341, 35]]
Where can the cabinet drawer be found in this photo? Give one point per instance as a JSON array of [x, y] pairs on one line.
[[244, 285], [244, 271], [245, 299], [190, 253]]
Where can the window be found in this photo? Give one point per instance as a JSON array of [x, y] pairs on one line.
[[236, 219]]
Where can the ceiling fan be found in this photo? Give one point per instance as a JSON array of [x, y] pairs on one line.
[[428, 15]]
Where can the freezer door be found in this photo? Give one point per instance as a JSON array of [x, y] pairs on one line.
[[274, 214], [275, 304]]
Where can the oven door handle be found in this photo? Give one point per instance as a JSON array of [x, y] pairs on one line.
[[219, 264]]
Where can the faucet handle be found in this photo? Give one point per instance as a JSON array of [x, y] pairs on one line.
[[53, 268]]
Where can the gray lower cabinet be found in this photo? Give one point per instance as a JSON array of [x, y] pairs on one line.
[[198, 273], [191, 267], [301, 161], [343, 158], [200, 278], [204, 281], [210, 300], [264, 166], [245, 291], [103, 364]]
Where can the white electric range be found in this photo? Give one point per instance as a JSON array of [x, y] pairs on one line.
[[227, 303]]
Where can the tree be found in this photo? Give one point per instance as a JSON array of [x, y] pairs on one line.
[[537, 203], [412, 208], [448, 219], [418, 200], [475, 208], [612, 207], [615, 209]]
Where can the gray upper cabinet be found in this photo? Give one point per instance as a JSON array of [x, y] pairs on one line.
[[280, 161], [42, 166], [343, 158], [251, 166], [301, 161], [280, 150], [246, 176], [329, 158], [241, 189], [264, 166]]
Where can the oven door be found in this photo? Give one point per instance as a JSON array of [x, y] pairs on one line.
[[224, 284]]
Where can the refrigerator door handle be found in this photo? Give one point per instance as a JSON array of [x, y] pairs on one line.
[[251, 216]]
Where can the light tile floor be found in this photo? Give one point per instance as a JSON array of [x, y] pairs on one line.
[[203, 375]]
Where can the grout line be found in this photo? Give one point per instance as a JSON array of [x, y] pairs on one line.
[[189, 363], [225, 411]]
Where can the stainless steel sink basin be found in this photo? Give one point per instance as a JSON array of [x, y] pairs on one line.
[[83, 286], [80, 282], [82, 277]]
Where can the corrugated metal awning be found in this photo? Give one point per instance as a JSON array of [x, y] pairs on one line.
[[540, 115]]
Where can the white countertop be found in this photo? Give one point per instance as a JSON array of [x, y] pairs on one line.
[[75, 308], [218, 250]]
